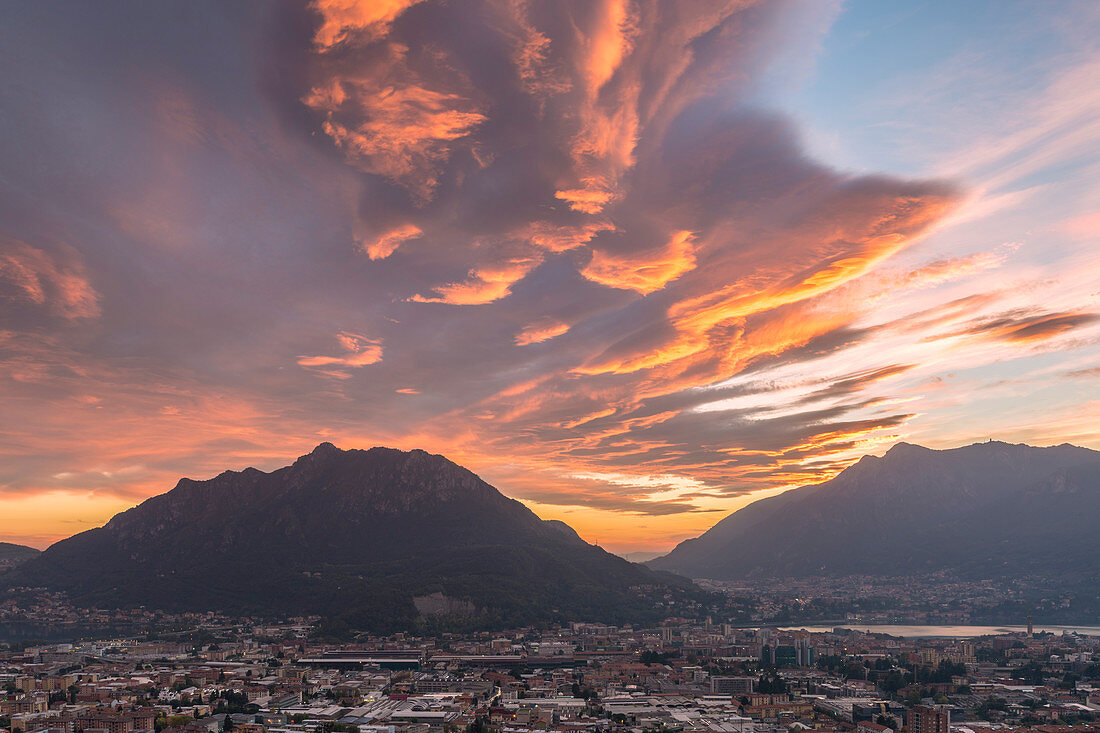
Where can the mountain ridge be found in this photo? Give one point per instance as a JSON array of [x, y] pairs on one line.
[[12, 554], [363, 531], [914, 509]]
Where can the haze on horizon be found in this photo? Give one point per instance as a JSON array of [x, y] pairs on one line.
[[635, 264]]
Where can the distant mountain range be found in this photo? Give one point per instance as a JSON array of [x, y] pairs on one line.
[[376, 540], [12, 554], [988, 510], [640, 556]]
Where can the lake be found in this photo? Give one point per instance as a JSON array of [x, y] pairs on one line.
[[961, 632]]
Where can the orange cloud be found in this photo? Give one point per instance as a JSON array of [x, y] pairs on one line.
[[645, 273], [585, 419], [484, 284], [606, 44], [386, 244], [360, 351], [608, 124], [848, 250], [531, 55], [561, 238], [590, 200], [399, 132], [541, 330], [342, 19]]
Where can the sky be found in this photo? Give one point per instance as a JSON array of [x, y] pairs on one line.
[[637, 264]]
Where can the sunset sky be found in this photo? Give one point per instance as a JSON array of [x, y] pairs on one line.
[[634, 263]]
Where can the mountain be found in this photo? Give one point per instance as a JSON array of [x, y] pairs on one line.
[[11, 554], [375, 540], [985, 510], [640, 556]]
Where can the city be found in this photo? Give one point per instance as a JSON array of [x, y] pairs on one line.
[[225, 674]]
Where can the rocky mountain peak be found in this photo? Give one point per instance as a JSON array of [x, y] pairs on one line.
[[355, 533]]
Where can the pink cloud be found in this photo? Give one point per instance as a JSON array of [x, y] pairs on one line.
[[58, 283], [359, 351]]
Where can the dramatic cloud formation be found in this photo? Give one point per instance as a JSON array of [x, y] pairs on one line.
[[570, 244]]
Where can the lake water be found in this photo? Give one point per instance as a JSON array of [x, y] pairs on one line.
[[961, 632]]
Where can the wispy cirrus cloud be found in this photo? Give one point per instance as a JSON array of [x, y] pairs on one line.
[[57, 283], [541, 330], [1027, 327], [359, 351]]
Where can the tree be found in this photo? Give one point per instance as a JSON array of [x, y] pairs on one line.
[[992, 703], [477, 726], [855, 671], [1032, 672], [649, 657], [771, 686], [583, 691], [947, 670], [892, 681]]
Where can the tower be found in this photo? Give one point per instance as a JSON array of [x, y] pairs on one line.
[[1030, 629]]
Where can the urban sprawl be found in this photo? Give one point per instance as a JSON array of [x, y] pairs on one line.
[[220, 674]]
